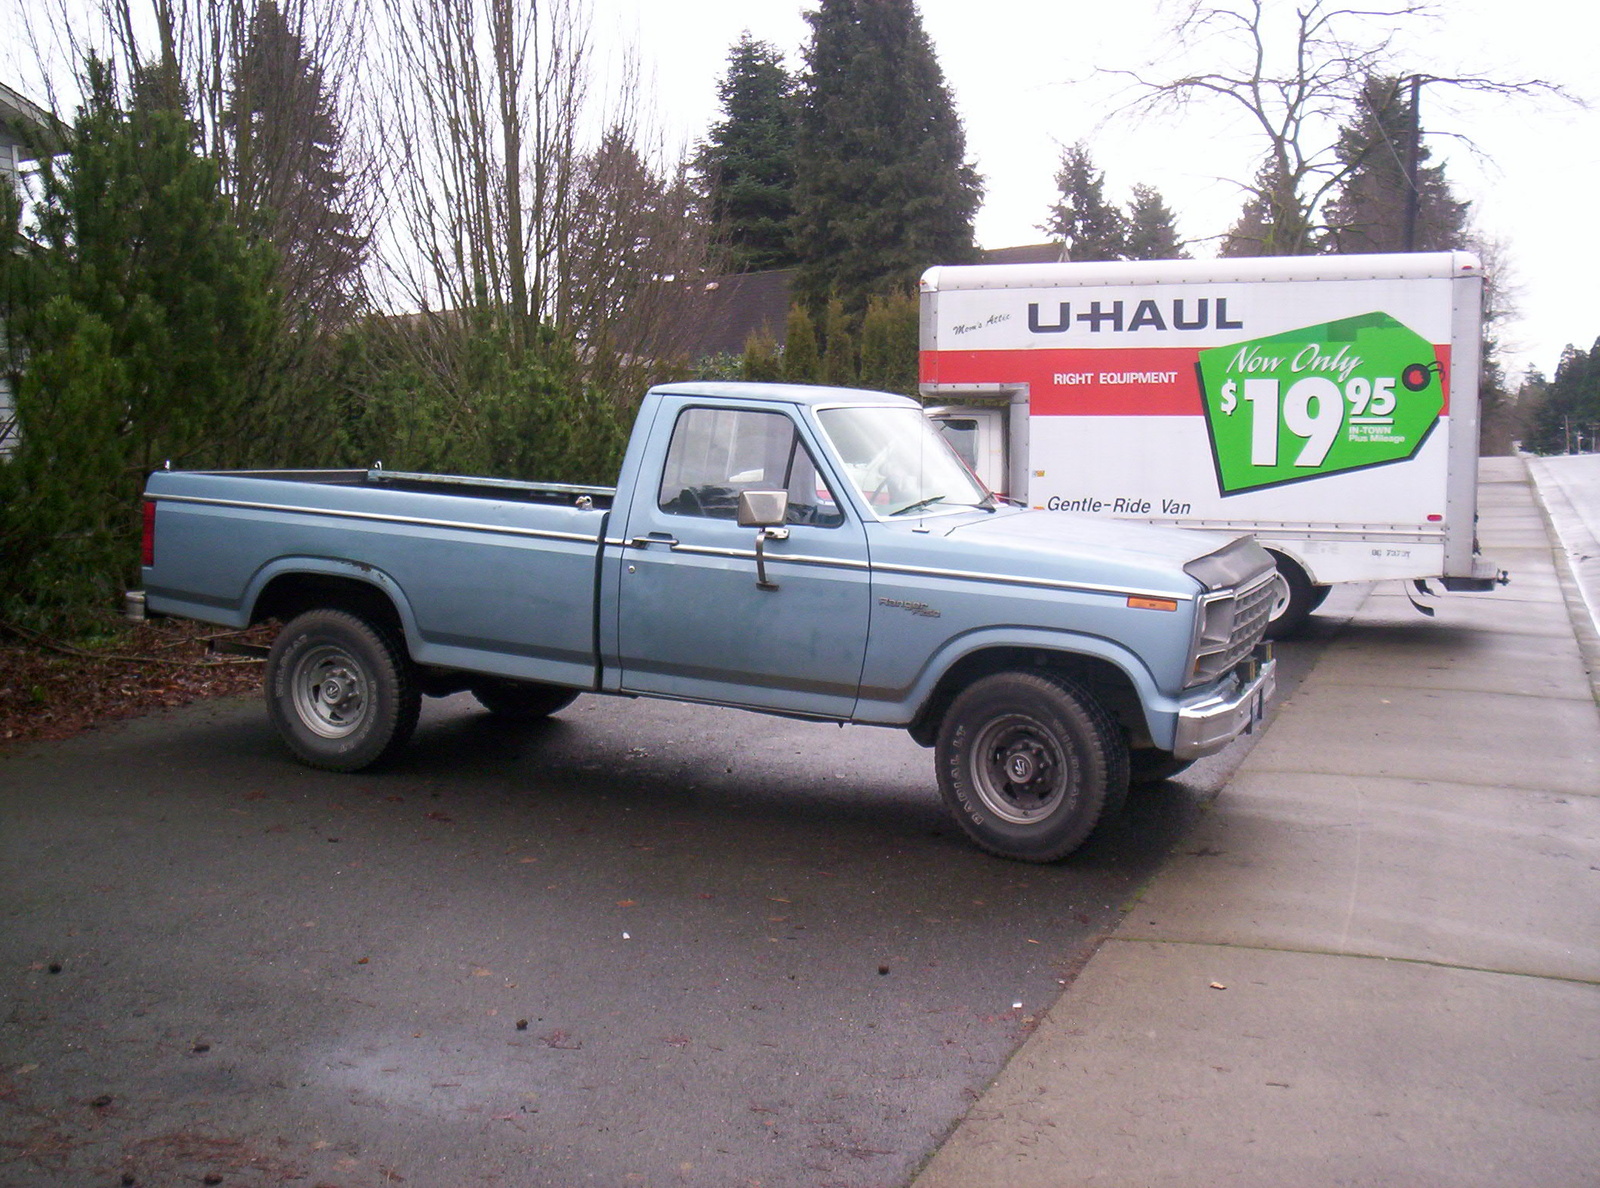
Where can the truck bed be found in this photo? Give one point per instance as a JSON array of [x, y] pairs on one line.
[[491, 575]]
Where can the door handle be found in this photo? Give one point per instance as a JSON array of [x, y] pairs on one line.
[[661, 538], [762, 536]]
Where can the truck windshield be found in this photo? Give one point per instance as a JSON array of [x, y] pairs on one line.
[[899, 462]]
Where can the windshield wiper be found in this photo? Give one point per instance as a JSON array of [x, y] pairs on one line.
[[918, 505]]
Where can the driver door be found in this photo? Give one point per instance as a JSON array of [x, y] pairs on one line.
[[692, 621]]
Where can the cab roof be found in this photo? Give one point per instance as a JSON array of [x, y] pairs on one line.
[[806, 394]]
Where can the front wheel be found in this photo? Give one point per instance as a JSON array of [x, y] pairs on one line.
[[1028, 763], [340, 691]]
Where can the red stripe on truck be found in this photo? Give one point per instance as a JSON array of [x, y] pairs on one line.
[[1148, 382], [1144, 382]]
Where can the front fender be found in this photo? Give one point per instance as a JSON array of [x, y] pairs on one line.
[[902, 707]]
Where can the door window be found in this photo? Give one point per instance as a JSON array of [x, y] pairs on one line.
[[717, 453]]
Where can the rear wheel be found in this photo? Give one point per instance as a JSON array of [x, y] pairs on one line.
[[1028, 764], [340, 691], [522, 700]]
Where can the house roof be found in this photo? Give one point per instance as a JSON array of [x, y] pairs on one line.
[[19, 115], [736, 306], [1032, 253]]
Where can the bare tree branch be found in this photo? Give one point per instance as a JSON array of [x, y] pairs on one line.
[[1295, 76]]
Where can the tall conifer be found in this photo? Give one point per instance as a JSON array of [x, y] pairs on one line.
[[883, 186], [1089, 226], [1368, 213], [747, 163], [1152, 228]]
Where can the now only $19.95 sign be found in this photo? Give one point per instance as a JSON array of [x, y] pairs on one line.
[[1340, 396]]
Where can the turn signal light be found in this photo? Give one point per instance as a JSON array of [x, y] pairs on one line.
[[1166, 604]]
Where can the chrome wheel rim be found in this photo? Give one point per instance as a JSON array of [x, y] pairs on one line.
[[331, 692], [1019, 770]]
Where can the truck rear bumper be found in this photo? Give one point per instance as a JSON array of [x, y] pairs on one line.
[[1484, 577], [1211, 723]]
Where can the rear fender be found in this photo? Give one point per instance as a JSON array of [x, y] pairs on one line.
[[287, 586]]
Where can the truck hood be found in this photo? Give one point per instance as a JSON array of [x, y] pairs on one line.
[[1073, 539]]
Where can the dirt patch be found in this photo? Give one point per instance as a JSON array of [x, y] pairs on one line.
[[50, 689]]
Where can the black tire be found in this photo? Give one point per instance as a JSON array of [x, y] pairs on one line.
[[1149, 766], [1028, 764], [523, 701], [1296, 600], [340, 691]]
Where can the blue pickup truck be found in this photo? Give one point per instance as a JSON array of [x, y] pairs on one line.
[[813, 552]]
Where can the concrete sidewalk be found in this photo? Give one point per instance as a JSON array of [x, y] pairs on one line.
[[1377, 960]]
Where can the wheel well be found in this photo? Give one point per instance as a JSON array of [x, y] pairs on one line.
[[1105, 681], [1282, 559], [295, 593]]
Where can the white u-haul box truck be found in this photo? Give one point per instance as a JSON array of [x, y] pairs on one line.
[[1327, 404]]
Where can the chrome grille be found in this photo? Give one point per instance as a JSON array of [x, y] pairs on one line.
[[1230, 626]]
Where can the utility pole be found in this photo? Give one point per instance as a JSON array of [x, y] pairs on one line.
[[1413, 152]]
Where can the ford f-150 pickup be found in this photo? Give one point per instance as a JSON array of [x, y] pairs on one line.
[[813, 552]]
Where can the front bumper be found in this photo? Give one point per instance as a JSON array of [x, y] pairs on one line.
[[1207, 725]]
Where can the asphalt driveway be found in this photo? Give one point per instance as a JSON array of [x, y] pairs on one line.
[[642, 943]]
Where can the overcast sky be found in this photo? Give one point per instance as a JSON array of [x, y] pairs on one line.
[[1023, 73]]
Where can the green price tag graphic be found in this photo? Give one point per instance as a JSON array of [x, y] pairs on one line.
[[1358, 392]]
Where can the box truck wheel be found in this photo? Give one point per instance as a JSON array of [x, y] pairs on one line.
[[1297, 598], [340, 691], [1028, 763], [522, 700]]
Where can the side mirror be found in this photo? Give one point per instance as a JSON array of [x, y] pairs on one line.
[[767, 511], [763, 509]]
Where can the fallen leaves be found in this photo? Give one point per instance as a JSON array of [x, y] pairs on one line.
[[51, 691]]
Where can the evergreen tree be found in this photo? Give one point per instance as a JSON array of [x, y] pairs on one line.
[[802, 361], [284, 170], [889, 355], [1368, 211], [140, 312], [840, 365], [1152, 228], [747, 164], [883, 187], [761, 363], [1274, 220], [1567, 417], [1089, 226]]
